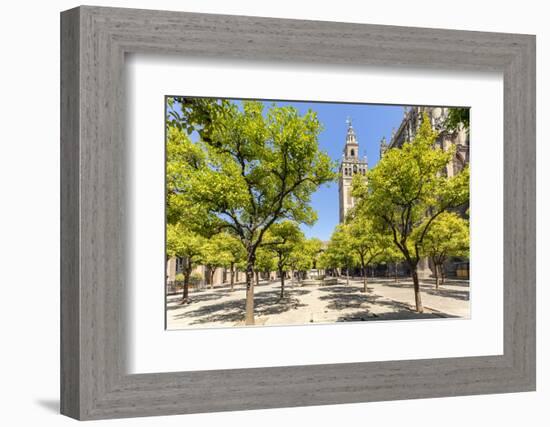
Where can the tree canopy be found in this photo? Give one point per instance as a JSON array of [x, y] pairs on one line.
[[339, 253], [449, 235], [249, 169], [407, 191], [368, 242], [183, 243], [458, 116], [282, 240]]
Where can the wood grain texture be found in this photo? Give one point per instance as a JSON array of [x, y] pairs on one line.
[[70, 264], [95, 238]]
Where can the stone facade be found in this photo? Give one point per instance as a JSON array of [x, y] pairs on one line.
[[351, 165], [412, 118], [221, 275]]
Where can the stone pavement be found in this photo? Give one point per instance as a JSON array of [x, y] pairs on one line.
[[385, 300]]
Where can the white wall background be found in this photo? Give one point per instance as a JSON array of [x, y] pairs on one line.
[[29, 215]]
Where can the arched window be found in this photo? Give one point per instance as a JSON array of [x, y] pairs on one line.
[[352, 153], [355, 169]]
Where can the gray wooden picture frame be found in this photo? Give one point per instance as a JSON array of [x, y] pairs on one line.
[[94, 382]]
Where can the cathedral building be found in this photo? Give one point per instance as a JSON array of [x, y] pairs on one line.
[[351, 165], [412, 118]]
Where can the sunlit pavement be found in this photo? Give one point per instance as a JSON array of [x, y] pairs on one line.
[[385, 300]]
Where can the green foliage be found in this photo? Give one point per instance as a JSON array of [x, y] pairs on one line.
[[300, 259], [184, 243], [282, 240], [325, 261], [195, 279], [265, 261], [182, 159], [406, 191], [194, 114], [339, 251], [306, 255], [391, 254], [457, 116], [449, 235], [232, 249], [221, 250], [249, 170], [366, 241]]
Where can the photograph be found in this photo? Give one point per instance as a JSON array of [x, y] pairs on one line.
[[266, 214], [295, 212]]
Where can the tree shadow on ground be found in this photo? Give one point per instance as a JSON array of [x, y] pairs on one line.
[[450, 282], [340, 289], [345, 297], [269, 303], [228, 311], [341, 299], [265, 303], [430, 290], [449, 293], [365, 315], [194, 298], [396, 311], [295, 291]]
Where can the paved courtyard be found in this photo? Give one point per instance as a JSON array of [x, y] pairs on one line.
[[386, 300]]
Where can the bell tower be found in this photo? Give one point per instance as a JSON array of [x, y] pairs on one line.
[[352, 147], [351, 165]]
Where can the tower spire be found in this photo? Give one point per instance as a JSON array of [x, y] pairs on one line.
[[351, 138], [352, 164]]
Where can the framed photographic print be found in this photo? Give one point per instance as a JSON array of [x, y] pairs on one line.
[[329, 254], [346, 212]]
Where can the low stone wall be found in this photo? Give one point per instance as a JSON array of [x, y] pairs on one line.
[[320, 282]]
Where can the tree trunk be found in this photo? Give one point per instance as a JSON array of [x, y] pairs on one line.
[[395, 272], [249, 311], [347, 275], [292, 277], [364, 270], [417, 296], [436, 273], [186, 277], [232, 280], [257, 274], [212, 271], [282, 275]]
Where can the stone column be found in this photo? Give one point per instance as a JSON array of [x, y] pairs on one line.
[[424, 271], [171, 269]]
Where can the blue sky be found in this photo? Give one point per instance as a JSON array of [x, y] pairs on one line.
[[371, 123]]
